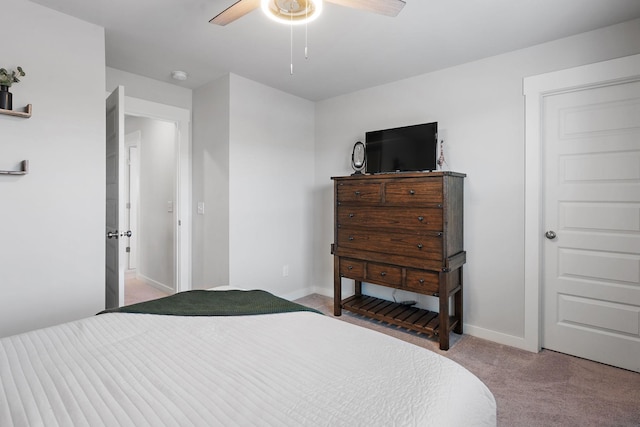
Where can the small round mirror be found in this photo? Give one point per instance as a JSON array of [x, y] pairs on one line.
[[358, 158]]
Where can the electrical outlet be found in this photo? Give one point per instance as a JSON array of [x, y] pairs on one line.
[[200, 208]]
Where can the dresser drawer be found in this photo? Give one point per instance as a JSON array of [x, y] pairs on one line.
[[422, 281], [411, 220], [353, 269], [428, 247], [384, 274], [414, 191], [359, 192]]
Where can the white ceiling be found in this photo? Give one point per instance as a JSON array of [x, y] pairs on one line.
[[348, 49]]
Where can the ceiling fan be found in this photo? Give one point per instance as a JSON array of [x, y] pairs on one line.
[[302, 11]]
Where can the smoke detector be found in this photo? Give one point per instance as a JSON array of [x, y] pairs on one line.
[[179, 75]]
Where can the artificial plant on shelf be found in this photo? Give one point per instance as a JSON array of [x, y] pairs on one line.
[[7, 78]]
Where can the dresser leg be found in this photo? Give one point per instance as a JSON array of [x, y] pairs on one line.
[[337, 287], [457, 301], [444, 341], [358, 287], [444, 329], [444, 312]]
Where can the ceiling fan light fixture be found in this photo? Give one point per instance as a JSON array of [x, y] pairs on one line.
[[292, 12]]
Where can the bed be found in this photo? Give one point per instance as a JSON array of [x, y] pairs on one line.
[[293, 368]]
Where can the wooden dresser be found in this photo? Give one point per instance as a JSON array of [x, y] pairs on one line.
[[402, 231]]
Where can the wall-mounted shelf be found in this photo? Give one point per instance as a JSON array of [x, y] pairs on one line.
[[26, 113], [24, 168]]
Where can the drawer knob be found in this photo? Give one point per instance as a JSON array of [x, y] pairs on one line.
[[350, 267], [420, 218], [383, 273], [357, 193], [351, 215], [419, 245], [350, 237], [421, 281], [412, 192]]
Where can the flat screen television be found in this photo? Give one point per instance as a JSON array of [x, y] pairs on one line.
[[403, 149]]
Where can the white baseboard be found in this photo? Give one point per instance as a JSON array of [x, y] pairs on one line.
[[322, 291], [497, 337], [298, 294], [160, 286]]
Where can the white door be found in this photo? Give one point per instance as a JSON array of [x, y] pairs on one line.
[[115, 216], [591, 286]]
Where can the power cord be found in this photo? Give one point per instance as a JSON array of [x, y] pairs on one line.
[[408, 303]]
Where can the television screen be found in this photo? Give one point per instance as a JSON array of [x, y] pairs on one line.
[[404, 149]]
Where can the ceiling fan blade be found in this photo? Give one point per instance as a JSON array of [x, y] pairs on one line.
[[235, 11], [384, 7]]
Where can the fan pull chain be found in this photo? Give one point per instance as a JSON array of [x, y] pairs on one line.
[[306, 33], [291, 42], [306, 37]]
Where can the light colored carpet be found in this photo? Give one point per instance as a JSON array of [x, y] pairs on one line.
[[544, 389]]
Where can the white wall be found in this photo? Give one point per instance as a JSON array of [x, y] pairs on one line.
[[52, 220], [253, 168], [270, 189], [480, 110], [158, 160], [211, 184], [141, 87]]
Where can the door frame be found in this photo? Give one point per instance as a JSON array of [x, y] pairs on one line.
[[132, 140], [535, 89], [182, 228]]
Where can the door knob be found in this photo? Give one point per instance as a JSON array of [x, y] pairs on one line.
[[550, 235], [112, 235], [126, 233]]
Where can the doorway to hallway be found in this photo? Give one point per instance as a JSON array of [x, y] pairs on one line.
[[151, 192], [177, 204]]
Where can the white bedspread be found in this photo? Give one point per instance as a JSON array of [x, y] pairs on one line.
[[290, 369]]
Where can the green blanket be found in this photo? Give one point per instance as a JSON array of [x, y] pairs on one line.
[[214, 303]]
